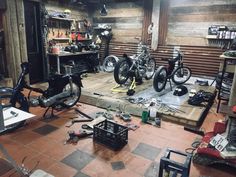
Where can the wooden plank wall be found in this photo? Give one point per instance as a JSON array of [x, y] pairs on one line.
[[189, 20], [203, 61], [125, 18]]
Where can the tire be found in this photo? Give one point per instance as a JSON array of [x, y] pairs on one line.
[[121, 71], [151, 67], [74, 98], [20, 103], [109, 63], [160, 79], [181, 75]]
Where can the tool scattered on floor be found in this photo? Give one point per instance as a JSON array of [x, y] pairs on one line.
[[77, 120], [74, 137], [132, 126]]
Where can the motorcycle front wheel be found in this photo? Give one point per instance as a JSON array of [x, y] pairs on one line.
[[109, 63], [19, 102], [151, 67], [160, 79], [121, 72], [75, 94], [181, 75]]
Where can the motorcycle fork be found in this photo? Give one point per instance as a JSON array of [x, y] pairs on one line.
[[71, 84]]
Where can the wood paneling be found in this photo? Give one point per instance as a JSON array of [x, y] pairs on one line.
[[189, 20], [125, 18], [203, 61]]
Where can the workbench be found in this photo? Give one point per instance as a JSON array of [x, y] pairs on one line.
[[89, 59]]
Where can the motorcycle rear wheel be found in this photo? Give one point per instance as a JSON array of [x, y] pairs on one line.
[[160, 79], [75, 96], [20, 103], [121, 72], [151, 67], [109, 63]]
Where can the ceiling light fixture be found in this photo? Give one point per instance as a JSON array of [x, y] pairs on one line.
[[103, 11]]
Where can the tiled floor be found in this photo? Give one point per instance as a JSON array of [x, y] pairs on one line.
[[43, 142]]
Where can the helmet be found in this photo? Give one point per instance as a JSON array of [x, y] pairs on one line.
[[180, 90]]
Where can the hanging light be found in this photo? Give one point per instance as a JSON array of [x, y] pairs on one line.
[[103, 11]]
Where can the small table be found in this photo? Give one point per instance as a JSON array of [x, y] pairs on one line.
[[67, 54], [13, 115]]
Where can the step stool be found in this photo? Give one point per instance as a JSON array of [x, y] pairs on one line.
[[172, 167]]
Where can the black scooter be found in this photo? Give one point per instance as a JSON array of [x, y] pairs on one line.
[[63, 91]]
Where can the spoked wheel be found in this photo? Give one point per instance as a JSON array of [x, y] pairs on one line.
[[109, 63], [151, 67], [181, 75], [75, 94], [121, 72], [19, 102], [160, 79]]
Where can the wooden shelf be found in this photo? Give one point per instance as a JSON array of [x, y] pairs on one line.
[[63, 19], [61, 39], [215, 37]]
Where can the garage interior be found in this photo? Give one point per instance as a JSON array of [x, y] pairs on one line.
[[116, 88]]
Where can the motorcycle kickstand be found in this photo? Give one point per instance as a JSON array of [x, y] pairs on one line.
[[170, 84], [52, 114]]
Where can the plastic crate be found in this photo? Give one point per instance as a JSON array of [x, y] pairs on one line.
[[110, 134]]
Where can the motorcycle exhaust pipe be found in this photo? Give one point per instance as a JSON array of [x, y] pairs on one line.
[[54, 99]]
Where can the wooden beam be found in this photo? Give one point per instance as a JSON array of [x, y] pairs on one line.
[[155, 20]]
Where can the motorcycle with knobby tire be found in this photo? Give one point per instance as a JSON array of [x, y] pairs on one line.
[[63, 92], [138, 66]]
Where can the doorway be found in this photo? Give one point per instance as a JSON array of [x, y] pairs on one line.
[[34, 41]]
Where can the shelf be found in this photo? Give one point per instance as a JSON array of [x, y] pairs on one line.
[[215, 37], [63, 19], [61, 39]]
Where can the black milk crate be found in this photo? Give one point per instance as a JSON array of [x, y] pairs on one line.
[[110, 134]]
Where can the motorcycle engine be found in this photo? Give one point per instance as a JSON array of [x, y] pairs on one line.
[[142, 71]]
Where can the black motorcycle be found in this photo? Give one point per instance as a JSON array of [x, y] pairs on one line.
[[63, 91]]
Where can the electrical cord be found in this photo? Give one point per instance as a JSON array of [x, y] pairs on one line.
[[194, 145]]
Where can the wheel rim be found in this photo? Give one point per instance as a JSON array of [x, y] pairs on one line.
[[181, 75], [109, 64], [150, 68], [123, 71], [74, 96]]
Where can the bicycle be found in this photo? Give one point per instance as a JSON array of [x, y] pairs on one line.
[[175, 71]]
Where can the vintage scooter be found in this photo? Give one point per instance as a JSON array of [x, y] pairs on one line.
[[63, 91]]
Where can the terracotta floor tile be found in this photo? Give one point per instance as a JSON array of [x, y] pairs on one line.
[[61, 170], [124, 173], [137, 164], [44, 162], [50, 150], [26, 137], [43, 144], [97, 168], [60, 151]]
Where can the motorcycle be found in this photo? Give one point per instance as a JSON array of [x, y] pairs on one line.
[[139, 66], [63, 91]]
